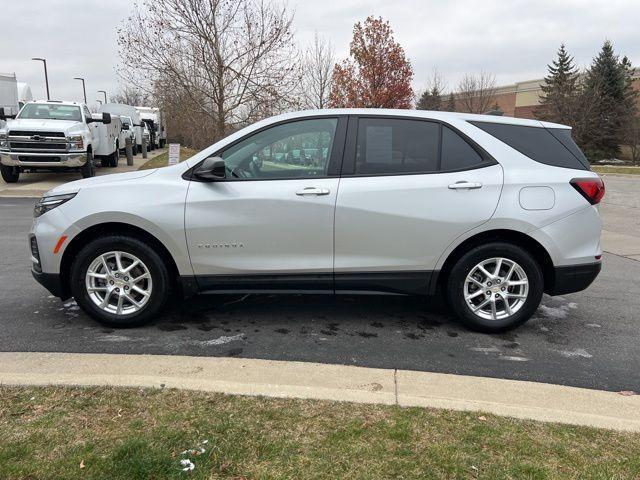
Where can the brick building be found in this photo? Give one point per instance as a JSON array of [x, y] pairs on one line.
[[520, 99]]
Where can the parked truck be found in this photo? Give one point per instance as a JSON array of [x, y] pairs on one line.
[[55, 136], [131, 112], [154, 119], [9, 105]]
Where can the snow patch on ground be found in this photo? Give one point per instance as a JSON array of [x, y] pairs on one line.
[[578, 352], [557, 312], [514, 359], [219, 341]]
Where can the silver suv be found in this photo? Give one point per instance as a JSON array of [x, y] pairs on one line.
[[489, 211]]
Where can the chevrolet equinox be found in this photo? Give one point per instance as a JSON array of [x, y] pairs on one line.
[[488, 211]]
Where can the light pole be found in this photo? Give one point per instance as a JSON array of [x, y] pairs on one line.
[[46, 77], [84, 90], [105, 95]]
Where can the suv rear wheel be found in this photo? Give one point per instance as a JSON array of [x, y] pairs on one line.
[[9, 174], [120, 281], [495, 287]]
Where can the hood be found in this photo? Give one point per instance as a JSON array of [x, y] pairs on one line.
[[37, 125], [78, 185]]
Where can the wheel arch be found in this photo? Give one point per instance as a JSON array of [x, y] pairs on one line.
[[514, 237], [111, 228]]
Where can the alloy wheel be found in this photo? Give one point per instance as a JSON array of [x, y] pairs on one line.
[[118, 283], [496, 288]]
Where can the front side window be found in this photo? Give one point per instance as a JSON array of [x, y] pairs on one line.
[[48, 111], [296, 149], [395, 146]]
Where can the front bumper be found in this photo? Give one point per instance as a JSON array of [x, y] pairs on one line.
[[52, 282], [573, 278], [43, 160]]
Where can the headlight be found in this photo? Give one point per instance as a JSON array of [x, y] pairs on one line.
[[49, 203], [76, 142], [3, 139]]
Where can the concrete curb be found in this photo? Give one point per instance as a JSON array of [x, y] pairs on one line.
[[526, 400]]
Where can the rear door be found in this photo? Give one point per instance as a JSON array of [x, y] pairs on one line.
[[409, 188]]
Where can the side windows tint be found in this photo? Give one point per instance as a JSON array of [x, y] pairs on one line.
[[456, 152], [395, 146]]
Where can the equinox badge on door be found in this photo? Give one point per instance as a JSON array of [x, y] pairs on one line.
[[221, 245]]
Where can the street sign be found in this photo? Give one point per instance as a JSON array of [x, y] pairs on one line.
[[174, 153]]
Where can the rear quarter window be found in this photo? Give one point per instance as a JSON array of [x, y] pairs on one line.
[[549, 146]]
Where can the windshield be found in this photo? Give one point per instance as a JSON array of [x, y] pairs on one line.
[[47, 111]]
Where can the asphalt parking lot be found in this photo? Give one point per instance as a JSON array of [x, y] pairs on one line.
[[588, 339]]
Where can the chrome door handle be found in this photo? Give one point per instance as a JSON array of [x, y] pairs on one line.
[[313, 191], [465, 185]]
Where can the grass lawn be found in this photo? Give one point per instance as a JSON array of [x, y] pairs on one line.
[[161, 160], [616, 169], [109, 433]]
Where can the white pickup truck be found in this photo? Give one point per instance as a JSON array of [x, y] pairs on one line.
[[57, 136]]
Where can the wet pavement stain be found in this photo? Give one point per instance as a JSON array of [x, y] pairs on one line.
[[172, 327], [377, 325], [413, 336], [452, 334], [283, 331], [367, 334]]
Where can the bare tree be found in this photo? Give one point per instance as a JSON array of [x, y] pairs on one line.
[[225, 60], [318, 61], [130, 95], [476, 93]]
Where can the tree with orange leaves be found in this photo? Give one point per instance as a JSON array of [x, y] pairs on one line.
[[377, 74]]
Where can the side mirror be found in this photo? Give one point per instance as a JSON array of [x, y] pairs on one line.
[[2, 115], [211, 170], [106, 118]]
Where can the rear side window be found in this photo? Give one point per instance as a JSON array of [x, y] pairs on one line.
[[549, 146], [457, 154], [386, 145]]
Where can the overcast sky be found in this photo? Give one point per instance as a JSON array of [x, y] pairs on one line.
[[512, 39]]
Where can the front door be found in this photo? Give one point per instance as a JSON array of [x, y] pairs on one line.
[[269, 225]]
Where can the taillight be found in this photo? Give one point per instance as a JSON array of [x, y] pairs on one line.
[[590, 188]]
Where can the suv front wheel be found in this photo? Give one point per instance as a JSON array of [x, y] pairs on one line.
[[120, 281], [495, 287]]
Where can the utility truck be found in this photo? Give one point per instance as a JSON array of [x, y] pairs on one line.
[[50, 135], [154, 120], [9, 105], [128, 111]]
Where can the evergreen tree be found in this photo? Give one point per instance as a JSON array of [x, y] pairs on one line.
[[451, 103], [430, 99], [610, 80], [560, 90]]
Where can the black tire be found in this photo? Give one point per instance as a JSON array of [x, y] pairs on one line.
[[88, 169], [114, 157], [9, 174], [456, 280], [134, 149], [105, 162], [160, 278]]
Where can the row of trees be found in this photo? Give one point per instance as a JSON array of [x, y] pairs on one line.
[[600, 103], [216, 65]]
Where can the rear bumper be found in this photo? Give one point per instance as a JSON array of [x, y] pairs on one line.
[[43, 160], [52, 282], [573, 278]]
